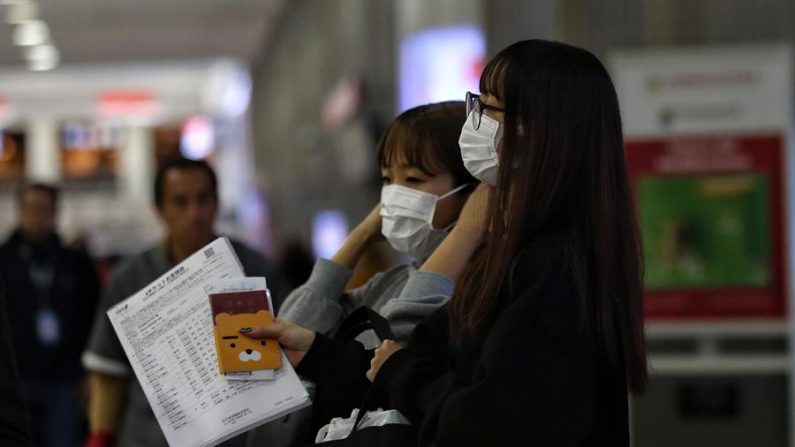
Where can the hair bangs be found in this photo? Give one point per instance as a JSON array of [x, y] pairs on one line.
[[409, 141], [492, 81]]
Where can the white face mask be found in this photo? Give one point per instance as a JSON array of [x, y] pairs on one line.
[[479, 148], [407, 220]]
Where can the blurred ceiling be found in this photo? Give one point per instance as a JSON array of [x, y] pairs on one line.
[[150, 30]]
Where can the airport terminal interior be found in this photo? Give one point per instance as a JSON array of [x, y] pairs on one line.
[[287, 101]]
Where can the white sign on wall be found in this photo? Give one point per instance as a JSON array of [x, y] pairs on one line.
[[731, 89]]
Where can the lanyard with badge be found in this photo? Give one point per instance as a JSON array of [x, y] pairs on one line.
[[48, 325]]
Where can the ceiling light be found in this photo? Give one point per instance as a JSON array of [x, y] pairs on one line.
[[198, 138], [41, 52], [42, 65], [21, 11], [31, 32]]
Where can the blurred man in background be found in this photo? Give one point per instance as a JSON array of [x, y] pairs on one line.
[[52, 294], [186, 199]]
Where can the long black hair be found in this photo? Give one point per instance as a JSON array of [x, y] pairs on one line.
[[563, 171]]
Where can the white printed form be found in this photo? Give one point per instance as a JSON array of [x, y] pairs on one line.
[[166, 330]]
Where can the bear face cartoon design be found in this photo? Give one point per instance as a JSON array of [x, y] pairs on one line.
[[236, 352]]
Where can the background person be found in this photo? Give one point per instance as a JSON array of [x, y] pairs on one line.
[[186, 198], [52, 293]]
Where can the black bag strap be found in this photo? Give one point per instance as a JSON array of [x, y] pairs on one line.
[[361, 320], [357, 322]]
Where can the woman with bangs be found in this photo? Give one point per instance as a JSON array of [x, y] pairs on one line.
[[543, 336], [425, 185]]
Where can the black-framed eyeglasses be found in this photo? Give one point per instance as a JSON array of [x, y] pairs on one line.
[[473, 103]]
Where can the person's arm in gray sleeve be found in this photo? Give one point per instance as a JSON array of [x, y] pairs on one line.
[[318, 303], [423, 294], [322, 302]]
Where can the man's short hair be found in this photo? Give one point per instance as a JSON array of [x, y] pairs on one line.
[[50, 190], [182, 163]]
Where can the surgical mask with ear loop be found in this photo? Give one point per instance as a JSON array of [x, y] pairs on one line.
[[479, 148], [407, 220]]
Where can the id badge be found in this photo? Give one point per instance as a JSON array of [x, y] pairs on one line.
[[48, 327]]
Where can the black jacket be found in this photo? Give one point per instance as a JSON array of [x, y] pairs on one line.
[[73, 298], [13, 414], [533, 379]]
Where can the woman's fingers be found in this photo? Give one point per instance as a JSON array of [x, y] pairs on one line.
[[375, 364], [273, 330], [381, 354], [295, 339]]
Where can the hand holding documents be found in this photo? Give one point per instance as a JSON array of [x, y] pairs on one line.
[[167, 332], [236, 304]]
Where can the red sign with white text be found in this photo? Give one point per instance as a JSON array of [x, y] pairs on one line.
[[712, 220], [114, 103]]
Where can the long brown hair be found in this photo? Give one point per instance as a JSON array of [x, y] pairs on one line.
[[562, 171]]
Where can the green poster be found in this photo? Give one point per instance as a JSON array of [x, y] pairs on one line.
[[705, 231]]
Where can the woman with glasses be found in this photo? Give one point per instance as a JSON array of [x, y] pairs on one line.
[[543, 337], [425, 185]]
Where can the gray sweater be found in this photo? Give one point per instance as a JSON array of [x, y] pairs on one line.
[[403, 295]]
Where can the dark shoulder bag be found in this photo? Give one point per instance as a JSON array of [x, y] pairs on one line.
[[389, 435]]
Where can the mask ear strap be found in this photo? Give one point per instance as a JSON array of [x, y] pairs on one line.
[[449, 227], [455, 190]]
